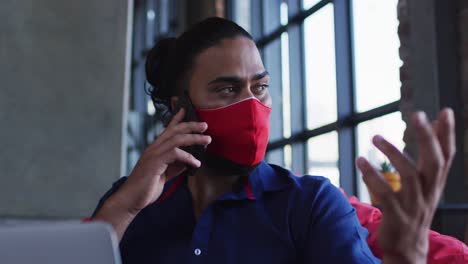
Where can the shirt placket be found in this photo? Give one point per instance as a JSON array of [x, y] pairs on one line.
[[200, 239]]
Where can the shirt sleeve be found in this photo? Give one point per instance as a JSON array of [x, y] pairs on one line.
[[115, 186], [334, 234]]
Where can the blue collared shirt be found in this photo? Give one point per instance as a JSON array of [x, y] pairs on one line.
[[274, 217]]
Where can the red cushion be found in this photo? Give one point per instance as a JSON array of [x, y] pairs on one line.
[[442, 249]]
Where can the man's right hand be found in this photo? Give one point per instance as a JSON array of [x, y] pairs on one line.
[[160, 162]]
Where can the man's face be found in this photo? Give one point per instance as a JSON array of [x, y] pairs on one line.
[[227, 73]]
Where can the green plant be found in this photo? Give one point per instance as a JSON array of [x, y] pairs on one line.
[[386, 167]]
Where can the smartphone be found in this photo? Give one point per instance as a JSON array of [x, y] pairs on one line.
[[198, 151]]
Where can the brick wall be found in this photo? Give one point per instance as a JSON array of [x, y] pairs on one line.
[[463, 46], [463, 51], [408, 95], [407, 105]]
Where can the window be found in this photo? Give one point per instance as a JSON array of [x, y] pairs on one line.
[[152, 19], [320, 68], [391, 127], [377, 76], [335, 82], [377, 61], [323, 156]]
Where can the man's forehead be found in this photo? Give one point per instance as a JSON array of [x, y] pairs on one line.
[[232, 57]]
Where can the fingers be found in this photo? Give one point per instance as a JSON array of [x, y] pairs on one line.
[[430, 152], [190, 127], [378, 185], [182, 156], [166, 147], [174, 170], [185, 128], [435, 126], [177, 118], [183, 140], [181, 128], [446, 134]]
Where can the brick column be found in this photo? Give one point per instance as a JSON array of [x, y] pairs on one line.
[[406, 105], [413, 96], [463, 30], [434, 51]]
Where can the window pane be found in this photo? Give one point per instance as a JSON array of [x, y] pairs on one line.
[[391, 127], [242, 8], [285, 85], [319, 46], [309, 3], [276, 157], [377, 60], [323, 156]]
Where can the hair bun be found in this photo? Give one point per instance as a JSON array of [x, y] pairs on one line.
[[158, 64]]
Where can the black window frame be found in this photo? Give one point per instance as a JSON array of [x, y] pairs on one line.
[[348, 118]]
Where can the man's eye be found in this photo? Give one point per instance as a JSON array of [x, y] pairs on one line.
[[261, 88], [226, 90]]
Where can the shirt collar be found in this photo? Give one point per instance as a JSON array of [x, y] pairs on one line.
[[265, 178]]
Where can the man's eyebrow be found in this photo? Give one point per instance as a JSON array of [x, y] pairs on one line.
[[226, 79], [236, 79], [259, 76]]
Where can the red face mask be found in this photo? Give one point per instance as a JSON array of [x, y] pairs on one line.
[[239, 131]]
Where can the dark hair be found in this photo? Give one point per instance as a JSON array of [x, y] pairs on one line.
[[170, 61]]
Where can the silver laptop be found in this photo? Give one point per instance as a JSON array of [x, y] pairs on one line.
[[60, 243]]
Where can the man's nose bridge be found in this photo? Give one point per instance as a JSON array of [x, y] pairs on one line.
[[246, 92]]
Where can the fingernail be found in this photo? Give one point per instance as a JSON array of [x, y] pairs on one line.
[[378, 139], [420, 118], [450, 114], [360, 161]]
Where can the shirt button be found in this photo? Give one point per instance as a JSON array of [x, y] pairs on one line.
[[197, 252]]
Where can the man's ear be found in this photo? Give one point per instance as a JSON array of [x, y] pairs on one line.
[[174, 101]]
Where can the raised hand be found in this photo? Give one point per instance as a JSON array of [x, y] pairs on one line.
[[160, 162], [408, 213]]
